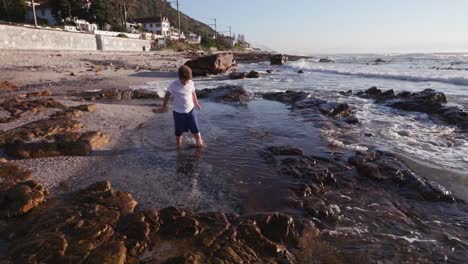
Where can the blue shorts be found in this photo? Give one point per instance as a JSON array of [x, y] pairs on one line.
[[185, 122]]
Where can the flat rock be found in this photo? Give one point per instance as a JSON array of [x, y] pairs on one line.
[[226, 93]]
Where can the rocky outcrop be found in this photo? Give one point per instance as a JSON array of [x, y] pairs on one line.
[[288, 97], [388, 170], [18, 108], [226, 93], [68, 144], [428, 101], [6, 86], [39, 129], [300, 102], [278, 59], [214, 64], [119, 94], [326, 60]]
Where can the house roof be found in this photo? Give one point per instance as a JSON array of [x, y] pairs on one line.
[[148, 20]]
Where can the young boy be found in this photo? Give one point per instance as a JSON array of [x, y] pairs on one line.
[[185, 100]]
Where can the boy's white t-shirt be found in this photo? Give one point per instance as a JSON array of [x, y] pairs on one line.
[[182, 94]]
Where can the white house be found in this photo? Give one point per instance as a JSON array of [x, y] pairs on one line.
[[155, 25], [43, 11], [193, 38], [175, 34]]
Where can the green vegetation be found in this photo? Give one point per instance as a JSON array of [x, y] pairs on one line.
[[13, 10]]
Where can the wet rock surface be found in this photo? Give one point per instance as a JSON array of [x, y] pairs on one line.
[[428, 101], [373, 200], [301, 102], [215, 64], [226, 93], [278, 59]]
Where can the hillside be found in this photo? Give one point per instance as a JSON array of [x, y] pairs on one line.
[[148, 8]]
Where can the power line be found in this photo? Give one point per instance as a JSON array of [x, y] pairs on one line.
[[216, 29]]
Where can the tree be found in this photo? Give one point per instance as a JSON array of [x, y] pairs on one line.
[[100, 12], [13, 10], [63, 9]]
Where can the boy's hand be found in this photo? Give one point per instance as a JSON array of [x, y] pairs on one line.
[[164, 109], [198, 107]]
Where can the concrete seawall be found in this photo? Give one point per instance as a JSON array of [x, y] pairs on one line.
[[16, 37]]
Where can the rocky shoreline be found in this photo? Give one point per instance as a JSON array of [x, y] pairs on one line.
[[340, 206]]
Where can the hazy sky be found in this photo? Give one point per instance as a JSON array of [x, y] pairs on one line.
[[342, 26]]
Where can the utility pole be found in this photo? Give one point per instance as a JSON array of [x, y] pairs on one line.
[[215, 27], [178, 16], [125, 17], [230, 31], [34, 13]]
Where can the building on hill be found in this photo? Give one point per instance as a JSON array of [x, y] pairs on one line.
[[156, 25], [176, 34], [193, 38], [44, 13]]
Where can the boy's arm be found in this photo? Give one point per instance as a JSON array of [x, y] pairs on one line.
[[195, 100], [165, 102]]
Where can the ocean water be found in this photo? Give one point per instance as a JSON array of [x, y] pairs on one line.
[[410, 134]]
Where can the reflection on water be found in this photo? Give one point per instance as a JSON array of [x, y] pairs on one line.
[[229, 175]]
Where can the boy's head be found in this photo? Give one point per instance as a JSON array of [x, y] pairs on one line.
[[185, 74]]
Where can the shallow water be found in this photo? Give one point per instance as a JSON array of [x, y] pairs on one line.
[[229, 175]]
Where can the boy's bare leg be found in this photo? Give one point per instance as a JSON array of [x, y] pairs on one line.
[[199, 140], [179, 141]]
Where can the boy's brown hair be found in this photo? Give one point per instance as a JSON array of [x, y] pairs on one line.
[[185, 73]]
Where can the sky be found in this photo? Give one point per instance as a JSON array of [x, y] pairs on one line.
[[341, 26]]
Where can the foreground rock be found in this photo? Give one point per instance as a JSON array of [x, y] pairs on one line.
[[278, 59], [18, 193], [227, 93], [215, 64], [100, 225], [428, 101], [371, 199]]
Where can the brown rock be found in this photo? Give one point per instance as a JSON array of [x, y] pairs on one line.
[[112, 252], [214, 64], [95, 139], [7, 86], [12, 174], [20, 199], [39, 248]]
